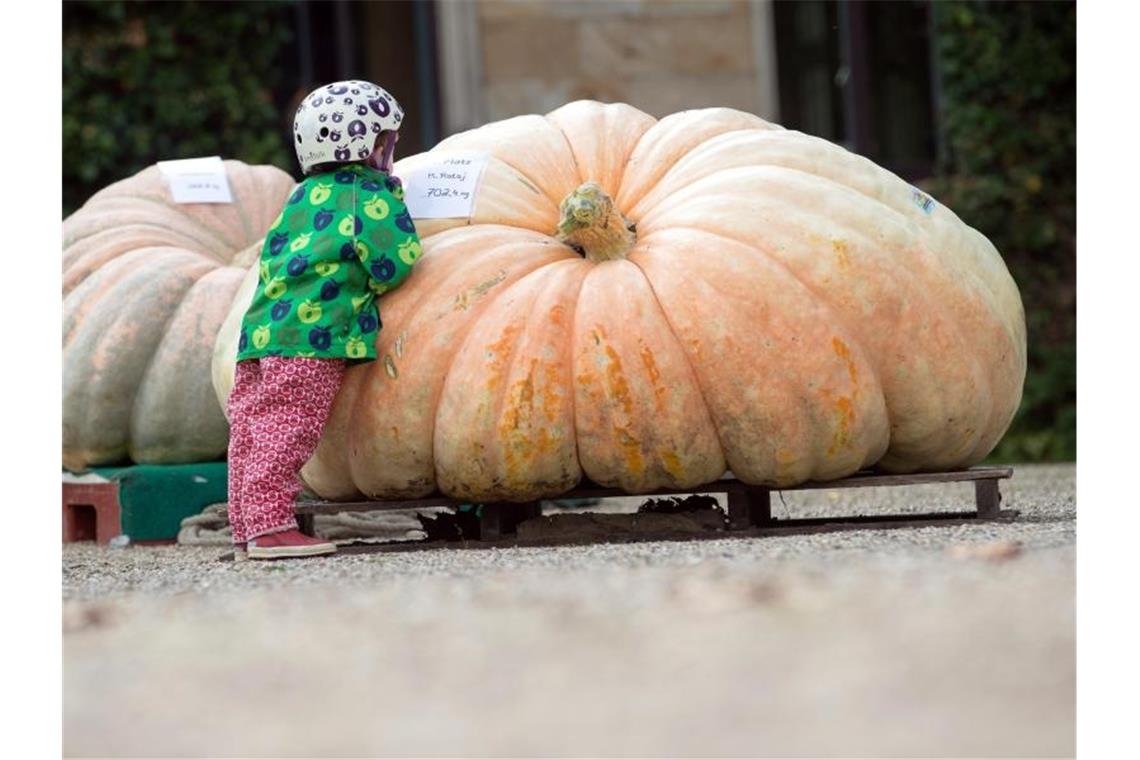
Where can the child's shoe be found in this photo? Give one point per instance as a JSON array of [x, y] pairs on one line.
[[287, 544]]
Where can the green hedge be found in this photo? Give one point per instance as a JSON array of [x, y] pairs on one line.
[[146, 81], [1008, 113]]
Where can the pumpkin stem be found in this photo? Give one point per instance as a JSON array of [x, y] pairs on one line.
[[591, 224]]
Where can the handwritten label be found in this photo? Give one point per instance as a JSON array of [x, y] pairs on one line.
[[197, 180], [924, 202], [445, 189]]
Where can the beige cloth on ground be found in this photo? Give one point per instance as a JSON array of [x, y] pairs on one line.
[[211, 527]]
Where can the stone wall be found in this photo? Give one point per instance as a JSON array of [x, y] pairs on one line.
[[661, 56]]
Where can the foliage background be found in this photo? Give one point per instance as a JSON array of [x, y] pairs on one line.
[[1008, 168], [145, 81]]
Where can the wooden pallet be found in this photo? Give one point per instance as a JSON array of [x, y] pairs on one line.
[[749, 507]]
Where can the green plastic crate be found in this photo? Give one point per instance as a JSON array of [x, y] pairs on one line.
[[155, 499]]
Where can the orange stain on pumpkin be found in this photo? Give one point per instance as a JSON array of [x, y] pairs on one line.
[[557, 314], [844, 353], [618, 389], [846, 419], [672, 464], [500, 352], [654, 376], [842, 259]]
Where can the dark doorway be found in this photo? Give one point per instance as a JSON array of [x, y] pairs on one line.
[[859, 74], [390, 43]]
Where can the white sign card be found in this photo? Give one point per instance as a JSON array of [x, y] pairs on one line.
[[197, 180], [445, 188]]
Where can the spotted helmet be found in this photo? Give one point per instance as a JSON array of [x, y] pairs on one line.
[[339, 122]]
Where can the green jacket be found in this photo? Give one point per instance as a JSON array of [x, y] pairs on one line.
[[343, 238]]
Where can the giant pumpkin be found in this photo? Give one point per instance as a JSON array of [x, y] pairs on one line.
[[647, 303], [146, 285]]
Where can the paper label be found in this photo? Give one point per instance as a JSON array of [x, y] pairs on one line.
[[197, 180], [445, 189]]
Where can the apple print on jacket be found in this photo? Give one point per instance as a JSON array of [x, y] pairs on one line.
[[404, 222], [355, 348], [320, 338], [275, 288], [347, 252], [261, 337], [297, 265], [377, 208], [297, 195], [350, 226], [344, 178], [410, 250], [367, 322], [330, 290], [326, 268], [370, 185], [309, 312], [277, 243], [322, 219], [281, 309], [382, 270], [301, 241], [358, 302], [320, 193]]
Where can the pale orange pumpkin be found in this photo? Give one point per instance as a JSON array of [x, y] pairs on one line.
[[751, 298], [146, 285]]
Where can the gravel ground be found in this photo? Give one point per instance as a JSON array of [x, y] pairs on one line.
[[946, 641]]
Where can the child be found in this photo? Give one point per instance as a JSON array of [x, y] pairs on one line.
[[343, 238]]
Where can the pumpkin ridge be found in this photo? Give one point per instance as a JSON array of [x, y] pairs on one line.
[[804, 411], [701, 392], [567, 351], [91, 261], [884, 200], [117, 227], [921, 234], [837, 317], [121, 270], [144, 390], [224, 244], [529, 296], [120, 427], [570, 147], [942, 272], [921, 288], [492, 242], [670, 172], [219, 243]]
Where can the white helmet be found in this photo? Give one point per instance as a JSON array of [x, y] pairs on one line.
[[339, 122]]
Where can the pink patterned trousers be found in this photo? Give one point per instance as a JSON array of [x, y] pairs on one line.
[[277, 410]]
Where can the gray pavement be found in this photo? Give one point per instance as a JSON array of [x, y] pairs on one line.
[[936, 641]]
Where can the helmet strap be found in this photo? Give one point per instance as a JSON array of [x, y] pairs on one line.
[[383, 156]]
